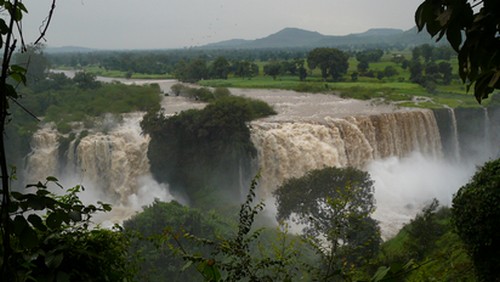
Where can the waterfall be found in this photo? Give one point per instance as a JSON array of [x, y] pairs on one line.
[[43, 160], [290, 149], [487, 135], [113, 166], [456, 143]]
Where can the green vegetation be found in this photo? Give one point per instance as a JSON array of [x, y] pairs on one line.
[[331, 62], [176, 242], [204, 151], [158, 231], [476, 217], [52, 240], [81, 99], [478, 54], [334, 204], [403, 75], [426, 249]]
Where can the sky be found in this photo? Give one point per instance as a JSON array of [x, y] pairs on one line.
[[165, 24]]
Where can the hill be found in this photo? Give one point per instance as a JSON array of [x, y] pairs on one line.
[[299, 38]]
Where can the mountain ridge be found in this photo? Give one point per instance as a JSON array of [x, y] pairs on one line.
[[291, 37]]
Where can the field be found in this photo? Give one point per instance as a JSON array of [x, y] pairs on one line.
[[397, 88]]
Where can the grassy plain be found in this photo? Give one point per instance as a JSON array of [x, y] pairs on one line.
[[119, 74], [398, 89]]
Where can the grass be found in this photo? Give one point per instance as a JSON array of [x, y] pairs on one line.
[[121, 74], [397, 89], [401, 92]]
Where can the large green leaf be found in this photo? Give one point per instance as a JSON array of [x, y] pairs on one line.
[[54, 220], [29, 238], [37, 222]]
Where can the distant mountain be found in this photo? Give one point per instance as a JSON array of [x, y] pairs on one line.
[[287, 37], [380, 32], [299, 38], [228, 43]]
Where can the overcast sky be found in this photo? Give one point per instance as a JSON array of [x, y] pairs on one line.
[[158, 24]]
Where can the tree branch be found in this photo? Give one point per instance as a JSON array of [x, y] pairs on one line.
[[43, 28]]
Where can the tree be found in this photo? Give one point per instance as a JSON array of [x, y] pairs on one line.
[[45, 237], [172, 220], [446, 70], [476, 216], [53, 239], [363, 66], [11, 17], [301, 70], [365, 57], [390, 71], [423, 231], [369, 55], [335, 204], [479, 53], [220, 68], [35, 63], [332, 62], [245, 69], [273, 69], [416, 70], [86, 80], [204, 151]]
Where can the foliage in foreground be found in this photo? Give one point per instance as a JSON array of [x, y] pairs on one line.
[[478, 54], [52, 239], [160, 226], [244, 256], [426, 249], [476, 216], [334, 206]]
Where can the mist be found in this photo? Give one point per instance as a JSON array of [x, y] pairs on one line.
[[403, 186]]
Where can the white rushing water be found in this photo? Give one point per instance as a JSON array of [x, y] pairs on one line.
[[400, 148], [112, 166]]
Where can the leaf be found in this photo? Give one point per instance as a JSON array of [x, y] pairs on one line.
[[18, 196], [454, 36], [481, 88], [35, 202], [38, 185], [42, 192], [37, 222], [494, 79], [54, 220], [18, 77], [75, 215], [381, 273], [19, 224], [29, 238], [10, 91], [62, 277], [52, 179], [419, 19], [4, 29], [21, 7], [187, 265], [106, 207], [14, 206], [17, 68], [54, 260]]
